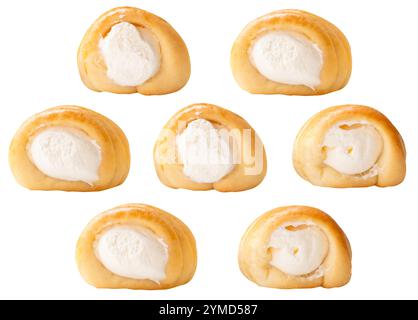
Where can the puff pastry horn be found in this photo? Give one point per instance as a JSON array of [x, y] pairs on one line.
[[295, 247], [291, 52], [205, 147], [350, 146], [69, 148], [136, 246], [129, 50]]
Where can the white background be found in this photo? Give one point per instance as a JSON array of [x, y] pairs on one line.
[[39, 230]]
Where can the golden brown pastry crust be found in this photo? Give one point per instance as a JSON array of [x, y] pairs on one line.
[[181, 244], [254, 256], [309, 156], [335, 48], [245, 175], [114, 145], [175, 62]]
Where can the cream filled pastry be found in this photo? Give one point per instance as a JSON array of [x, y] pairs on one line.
[[69, 148], [129, 50], [289, 52], [295, 247], [205, 147], [350, 146], [136, 246]]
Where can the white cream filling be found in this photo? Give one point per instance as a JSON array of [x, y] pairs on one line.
[[298, 249], [353, 148], [205, 152], [133, 253], [66, 154], [287, 58], [132, 56]]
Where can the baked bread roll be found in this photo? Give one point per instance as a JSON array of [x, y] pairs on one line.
[[204, 147], [136, 246], [350, 146], [69, 148], [129, 50], [291, 52], [295, 247]]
